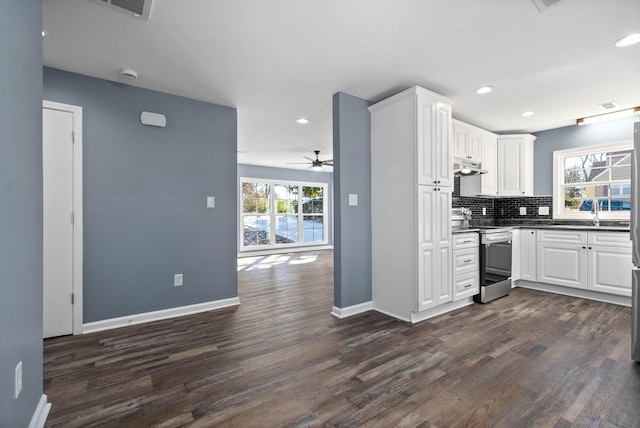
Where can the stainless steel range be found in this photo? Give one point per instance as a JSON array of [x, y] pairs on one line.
[[495, 256]]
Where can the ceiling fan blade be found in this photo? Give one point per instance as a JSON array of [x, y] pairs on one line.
[[327, 163], [296, 163], [307, 157], [328, 160]]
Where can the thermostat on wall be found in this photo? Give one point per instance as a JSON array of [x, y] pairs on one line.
[[153, 119]]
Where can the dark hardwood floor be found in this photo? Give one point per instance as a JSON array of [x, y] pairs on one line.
[[531, 359]]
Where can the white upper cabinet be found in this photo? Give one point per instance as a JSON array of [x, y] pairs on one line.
[[479, 145], [435, 158], [515, 165], [467, 141]]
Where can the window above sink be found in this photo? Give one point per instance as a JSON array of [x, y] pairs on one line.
[[599, 173]]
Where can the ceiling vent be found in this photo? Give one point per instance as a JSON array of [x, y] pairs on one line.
[[542, 5], [138, 8], [608, 106]]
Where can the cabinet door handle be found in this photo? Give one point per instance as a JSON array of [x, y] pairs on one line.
[[468, 260], [467, 241], [468, 285], [583, 247], [589, 247]]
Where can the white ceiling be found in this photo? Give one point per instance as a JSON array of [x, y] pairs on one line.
[[278, 60]]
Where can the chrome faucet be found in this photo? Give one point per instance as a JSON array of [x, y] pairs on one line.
[[595, 210]]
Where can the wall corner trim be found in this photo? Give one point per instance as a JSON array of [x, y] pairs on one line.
[[352, 310], [40, 415], [134, 319]]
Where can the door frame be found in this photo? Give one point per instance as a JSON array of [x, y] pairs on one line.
[[77, 208]]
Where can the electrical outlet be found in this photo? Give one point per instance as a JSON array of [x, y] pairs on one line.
[[353, 199], [484, 210], [523, 210], [543, 210], [17, 380], [177, 280], [211, 202]]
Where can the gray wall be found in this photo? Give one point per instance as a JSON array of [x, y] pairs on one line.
[[20, 207], [255, 171], [145, 188], [570, 137], [352, 224]]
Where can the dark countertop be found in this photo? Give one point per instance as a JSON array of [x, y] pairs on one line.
[[471, 229], [605, 226], [577, 227]]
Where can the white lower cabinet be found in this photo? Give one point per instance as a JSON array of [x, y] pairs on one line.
[[528, 257], [562, 264], [595, 261], [434, 278], [466, 265], [609, 269]]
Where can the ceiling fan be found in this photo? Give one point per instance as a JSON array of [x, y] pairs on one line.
[[316, 164]]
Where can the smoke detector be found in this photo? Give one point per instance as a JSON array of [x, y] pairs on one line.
[[129, 74], [138, 8]]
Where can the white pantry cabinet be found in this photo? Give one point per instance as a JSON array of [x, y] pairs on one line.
[[515, 165], [411, 187], [434, 264]]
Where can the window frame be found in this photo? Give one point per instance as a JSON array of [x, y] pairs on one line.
[[558, 181], [273, 214]]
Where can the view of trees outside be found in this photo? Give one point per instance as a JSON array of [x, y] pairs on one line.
[[255, 200], [293, 217], [604, 176]]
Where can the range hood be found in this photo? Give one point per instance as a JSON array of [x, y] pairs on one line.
[[466, 167]]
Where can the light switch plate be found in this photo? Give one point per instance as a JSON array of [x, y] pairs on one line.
[[17, 377], [353, 199], [177, 280], [523, 210], [543, 210], [211, 201], [484, 210]]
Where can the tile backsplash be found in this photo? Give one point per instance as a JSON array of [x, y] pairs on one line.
[[502, 208]]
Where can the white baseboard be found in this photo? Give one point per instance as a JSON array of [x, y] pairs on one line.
[[440, 310], [258, 253], [40, 415], [351, 310], [577, 292], [393, 315], [108, 324]]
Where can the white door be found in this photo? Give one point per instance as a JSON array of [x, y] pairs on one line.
[[57, 166]]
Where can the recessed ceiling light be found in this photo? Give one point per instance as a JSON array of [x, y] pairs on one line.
[[484, 90], [629, 40], [302, 120], [45, 33], [527, 114]]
